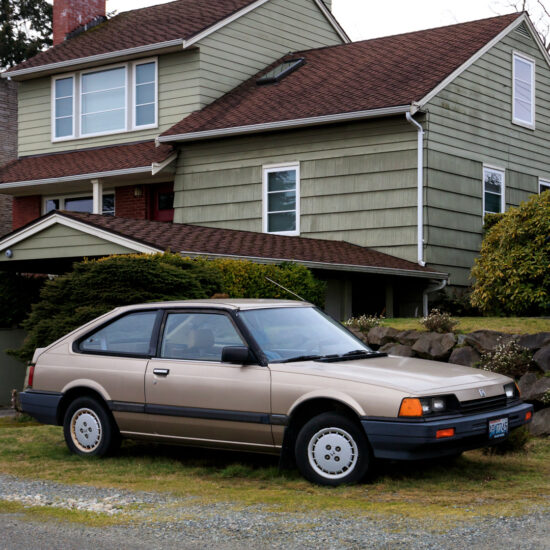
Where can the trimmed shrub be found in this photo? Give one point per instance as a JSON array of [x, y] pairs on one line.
[[17, 293], [438, 321], [512, 273]]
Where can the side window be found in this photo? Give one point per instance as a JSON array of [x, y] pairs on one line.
[[544, 186], [524, 91], [281, 201], [493, 191], [127, 335], [199, 336]]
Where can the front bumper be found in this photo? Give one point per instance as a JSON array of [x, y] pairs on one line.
[[416, 440], [41, 405]]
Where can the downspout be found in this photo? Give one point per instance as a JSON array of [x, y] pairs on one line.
[[420, 190], [430, 290]]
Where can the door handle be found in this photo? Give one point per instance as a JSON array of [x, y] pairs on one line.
[[161, 372]]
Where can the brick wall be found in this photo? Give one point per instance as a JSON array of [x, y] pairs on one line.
[[8, 143], [127, 205], [25, 210], [68, 15]]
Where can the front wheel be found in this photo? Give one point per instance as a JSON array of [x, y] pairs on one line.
[[331, 449], [88, 428]]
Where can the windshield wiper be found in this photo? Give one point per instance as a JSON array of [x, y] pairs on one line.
[[301, 358], [354, 354]]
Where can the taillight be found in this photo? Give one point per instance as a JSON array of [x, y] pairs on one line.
[[31, 376]]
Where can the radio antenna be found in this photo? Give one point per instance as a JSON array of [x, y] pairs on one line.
[[284, 288]]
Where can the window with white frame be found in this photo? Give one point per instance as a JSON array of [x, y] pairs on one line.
[[79, 203], [544, 185], [97, 102], [281, 200], [523, 101], [493, 191]]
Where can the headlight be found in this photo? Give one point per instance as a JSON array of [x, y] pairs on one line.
[[511, 390], [423, 406]]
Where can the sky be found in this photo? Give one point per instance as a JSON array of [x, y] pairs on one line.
[[363, 19]]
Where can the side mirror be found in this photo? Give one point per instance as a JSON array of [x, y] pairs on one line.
[[236, 354]]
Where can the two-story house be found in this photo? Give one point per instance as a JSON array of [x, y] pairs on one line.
[[371, 162]]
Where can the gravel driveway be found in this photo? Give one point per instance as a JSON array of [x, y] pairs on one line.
[[164, 522]]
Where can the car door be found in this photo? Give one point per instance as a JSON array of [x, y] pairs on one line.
[[196, 398]]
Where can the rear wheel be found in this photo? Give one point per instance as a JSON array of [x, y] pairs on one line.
[[331, 449], [89, 429]]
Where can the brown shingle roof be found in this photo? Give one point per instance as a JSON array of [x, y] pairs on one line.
[[373, 74], [227, 242], [181, 19], [87, 161]]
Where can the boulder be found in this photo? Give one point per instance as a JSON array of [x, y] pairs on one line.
[[534, 342], [542, 358], [535, 391], [409, 337], [540, 425], [465, 355], [435, 346], [526, 382], [392, 348], [487, 340], [378, 336], [358, 334]]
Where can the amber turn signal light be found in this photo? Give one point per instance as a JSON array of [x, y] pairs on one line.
[[528, 415], [447, 432], [410, 406]]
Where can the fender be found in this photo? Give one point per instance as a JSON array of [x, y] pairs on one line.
[[86, 383], [335, 395]]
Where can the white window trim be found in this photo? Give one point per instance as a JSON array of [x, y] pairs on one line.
[[503, 195], [62, 197], [267, 169], [130, 97], [134, 94], [530, 60], [53, 106], [544, 183]]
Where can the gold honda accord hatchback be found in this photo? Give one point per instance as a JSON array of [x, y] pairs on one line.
[[268, 376]]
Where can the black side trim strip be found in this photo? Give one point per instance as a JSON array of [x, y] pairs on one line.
[[279, 420], [192, 412]]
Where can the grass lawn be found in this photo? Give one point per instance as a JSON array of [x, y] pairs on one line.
[[473, 485], [513, 325]]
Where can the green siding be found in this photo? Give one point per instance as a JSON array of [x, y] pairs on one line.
[[469, 124], [247, 45], [59, 241], [358, 182], [178, 96]]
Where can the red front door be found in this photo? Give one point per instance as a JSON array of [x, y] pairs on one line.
[[162, 204]]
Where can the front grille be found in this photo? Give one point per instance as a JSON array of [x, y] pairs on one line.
[[484, 404]]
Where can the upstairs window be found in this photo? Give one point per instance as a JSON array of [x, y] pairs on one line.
[[98, 102], [493, 191], [80, 203], [523, 108], [281, 202]]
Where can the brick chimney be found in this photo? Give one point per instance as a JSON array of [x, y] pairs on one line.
[[68, 15]]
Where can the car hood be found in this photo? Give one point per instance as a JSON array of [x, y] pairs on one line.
[[415, 376]]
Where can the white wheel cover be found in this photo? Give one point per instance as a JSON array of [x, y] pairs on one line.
[[86, 431], [332, 453]]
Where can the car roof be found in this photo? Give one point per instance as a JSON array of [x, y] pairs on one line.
[[221, 303]]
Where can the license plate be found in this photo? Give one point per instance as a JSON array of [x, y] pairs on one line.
[[498, 428]]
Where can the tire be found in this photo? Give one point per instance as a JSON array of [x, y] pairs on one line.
[[89, 428], [331, 449]]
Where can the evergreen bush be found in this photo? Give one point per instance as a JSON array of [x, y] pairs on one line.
[[512, 272]]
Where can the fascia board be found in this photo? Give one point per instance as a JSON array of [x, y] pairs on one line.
[[326, 265], [59, 219], [286, 124], [78, 177], [94, 58], [444, 83]]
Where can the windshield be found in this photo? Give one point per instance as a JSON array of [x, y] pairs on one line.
[[300, 333]]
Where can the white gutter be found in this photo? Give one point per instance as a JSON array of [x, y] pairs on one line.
[[430, 290], [420, 189], [78, 177], [283, 124], [325, 265]]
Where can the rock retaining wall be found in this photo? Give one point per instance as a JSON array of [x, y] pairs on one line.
[[466, 349]]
